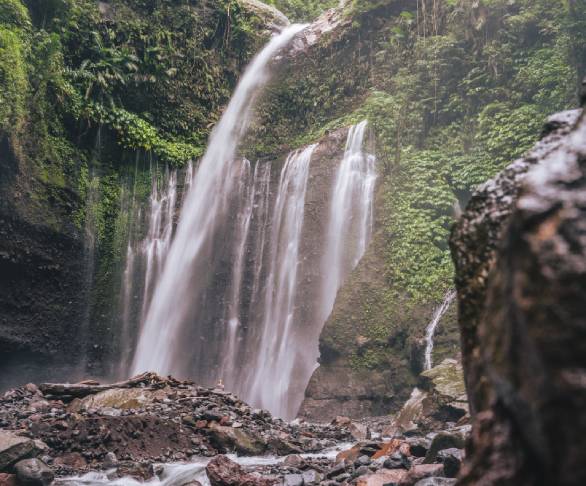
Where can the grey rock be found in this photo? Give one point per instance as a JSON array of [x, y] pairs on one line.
[[436, 482], [293, 480], [33, 472], [14, 448], [311, 476]]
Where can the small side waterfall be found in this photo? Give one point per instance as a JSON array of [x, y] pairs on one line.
[[149, 240], [184, 278], [351, 216], [431, 327]]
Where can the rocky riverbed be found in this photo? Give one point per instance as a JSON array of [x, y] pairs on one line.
[[164, 431]]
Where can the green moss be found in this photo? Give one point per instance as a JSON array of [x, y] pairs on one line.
[[14, 14]]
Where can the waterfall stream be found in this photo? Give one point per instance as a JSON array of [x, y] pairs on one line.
[[241, 290], [351, 216], [204, 211], [431, 327]]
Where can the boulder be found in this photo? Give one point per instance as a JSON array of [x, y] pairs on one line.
[[14, 448], [311, 476], [73, 460], [443, 441], [222, 471], [520, 254], [293, 480], [445, 383], [228, 439], [33, 472], [118, 398]]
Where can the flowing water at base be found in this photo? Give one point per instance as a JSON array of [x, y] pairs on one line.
[[178, 474]]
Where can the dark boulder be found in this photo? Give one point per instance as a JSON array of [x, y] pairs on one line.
[[520, 255]]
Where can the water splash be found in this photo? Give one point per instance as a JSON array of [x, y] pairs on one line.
[[431, 327], [186, 272]]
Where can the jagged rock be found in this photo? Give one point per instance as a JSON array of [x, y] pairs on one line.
[[72, 459], [229, 439], [14, 448], [222, 471], [446, 383], [520, 256], [33, 472], [414, 409]]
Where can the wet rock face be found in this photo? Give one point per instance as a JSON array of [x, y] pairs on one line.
[[520, 254]]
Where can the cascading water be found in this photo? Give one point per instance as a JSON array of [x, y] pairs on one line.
[[185, 277], [431, 327], [351, 216], [272, 372], [145, 253]]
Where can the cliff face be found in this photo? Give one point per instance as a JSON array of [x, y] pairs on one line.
[[519, 254], [93, 95]]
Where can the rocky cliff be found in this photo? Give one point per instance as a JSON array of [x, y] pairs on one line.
[[519, 254]]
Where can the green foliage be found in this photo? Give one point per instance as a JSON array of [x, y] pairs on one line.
[[302, 10], [13, 80], [14, 14]]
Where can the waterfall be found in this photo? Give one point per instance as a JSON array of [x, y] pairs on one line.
[[431, 327], [277, 353], [148, 243], [187, 271], [351, 216]]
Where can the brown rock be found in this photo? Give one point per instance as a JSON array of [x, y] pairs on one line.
[[388, 448], [7, 479], [72, 459], [380, 478], [520, 255], [222, 471], [422, 471]]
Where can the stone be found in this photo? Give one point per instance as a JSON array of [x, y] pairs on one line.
[[294, 460], [445, 382], [387, 448], [418, 446], [110, 460], [442, 441], [33, 472], [222, 471], [14, 448], [382, 477], [293, 480], [436, 482], [7, 479], [311, 476], [229, 439], [359, 431], [519, 252], [73, 460], [363, 461], [397, 461], [419, 472], [452, 460]]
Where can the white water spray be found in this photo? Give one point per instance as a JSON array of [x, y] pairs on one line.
[[184, 276], [431, 327]]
